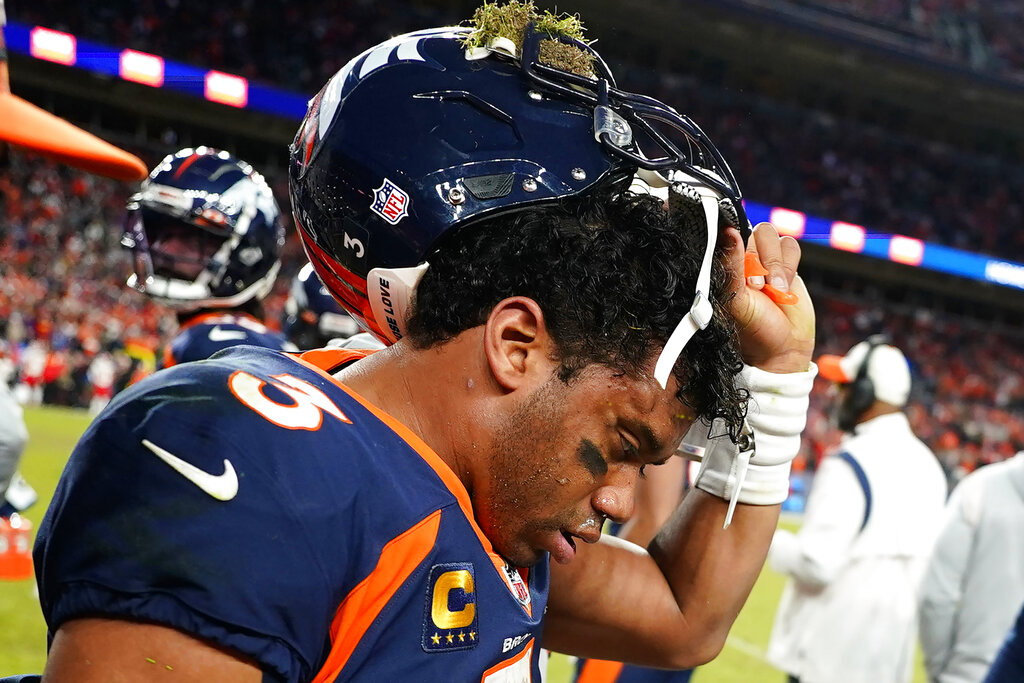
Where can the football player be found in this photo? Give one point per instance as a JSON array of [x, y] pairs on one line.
[[312, 317], [433, 511], [206, 235]]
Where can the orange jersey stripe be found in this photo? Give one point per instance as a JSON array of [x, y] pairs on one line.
[[322, 358], [364, 603], [599, 671], [326, 360], [319, 359]]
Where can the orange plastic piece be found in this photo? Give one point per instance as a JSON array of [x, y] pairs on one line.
[[780, 297], [752, 267]]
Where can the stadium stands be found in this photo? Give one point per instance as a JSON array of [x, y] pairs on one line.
[[296, 44], [816, 160], [62, 281], [968, 379], [245, 37], [59, 244], [982, 36]]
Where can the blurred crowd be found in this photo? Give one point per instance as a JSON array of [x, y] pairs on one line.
[[844, 170], [979, 35], [967, 400], [810, 160], [297, 44], [70, 331]]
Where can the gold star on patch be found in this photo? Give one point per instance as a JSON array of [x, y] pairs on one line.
[[436, 639], [472, 635], [449, 638], [462, 637]]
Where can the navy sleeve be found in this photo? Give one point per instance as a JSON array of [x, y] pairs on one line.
[[130, 535]]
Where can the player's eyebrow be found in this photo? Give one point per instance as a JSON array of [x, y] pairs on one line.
[[590, 456]]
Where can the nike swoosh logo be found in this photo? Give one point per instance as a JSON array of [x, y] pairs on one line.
[[222, 486], [218, 335]]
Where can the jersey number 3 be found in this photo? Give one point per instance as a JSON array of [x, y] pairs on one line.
[[306, 411]]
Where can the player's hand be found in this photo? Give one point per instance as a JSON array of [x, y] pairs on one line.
[[775, 337]]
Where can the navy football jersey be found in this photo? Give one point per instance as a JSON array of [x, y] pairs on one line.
[[254, 501], [206, 334]]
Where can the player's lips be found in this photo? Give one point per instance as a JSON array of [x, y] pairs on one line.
[[564, 546]]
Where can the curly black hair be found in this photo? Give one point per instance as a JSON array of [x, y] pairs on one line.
[[613, 274]]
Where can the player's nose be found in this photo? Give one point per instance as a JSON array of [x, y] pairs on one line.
[[615, 498]]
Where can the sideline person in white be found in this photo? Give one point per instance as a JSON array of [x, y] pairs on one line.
[[974, 585], [848, 614]]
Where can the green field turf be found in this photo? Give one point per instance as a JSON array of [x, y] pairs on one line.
[[53, 433]]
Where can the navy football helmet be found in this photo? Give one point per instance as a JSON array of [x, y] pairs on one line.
[[312, 317], [420, 135], [205, 232]]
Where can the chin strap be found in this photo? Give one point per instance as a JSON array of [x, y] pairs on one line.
[[390, 292], [699, 315]]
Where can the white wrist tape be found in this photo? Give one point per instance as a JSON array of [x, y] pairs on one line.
[[756, 472]]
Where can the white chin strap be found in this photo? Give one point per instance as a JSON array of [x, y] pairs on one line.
[[699, 315], [390, 291]]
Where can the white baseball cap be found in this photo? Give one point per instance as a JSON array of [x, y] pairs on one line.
[[887, 369]]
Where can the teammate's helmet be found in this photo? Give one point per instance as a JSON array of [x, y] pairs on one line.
[[311, 315], [420, 135], [205, 231]]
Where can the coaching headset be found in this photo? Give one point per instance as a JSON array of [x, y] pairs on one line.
[[860, 393]]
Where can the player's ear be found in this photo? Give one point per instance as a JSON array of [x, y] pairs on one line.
[[519, 350]]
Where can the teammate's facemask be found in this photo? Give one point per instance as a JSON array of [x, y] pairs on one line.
[[204, 231]]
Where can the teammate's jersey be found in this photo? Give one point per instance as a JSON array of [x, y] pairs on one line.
[[253, 501], [206, 334]]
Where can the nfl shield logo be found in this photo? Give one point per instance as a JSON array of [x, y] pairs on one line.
[[390, 202], [520, 591]]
